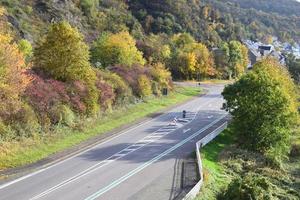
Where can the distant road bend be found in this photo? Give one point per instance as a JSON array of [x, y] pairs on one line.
[[139, 163]]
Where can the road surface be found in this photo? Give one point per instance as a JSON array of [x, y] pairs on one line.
[[143, 162]]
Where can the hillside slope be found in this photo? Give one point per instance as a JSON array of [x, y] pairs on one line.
[[210, 21]]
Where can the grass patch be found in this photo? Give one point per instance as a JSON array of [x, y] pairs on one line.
[[215, 177], [15, 154], [224, 160]]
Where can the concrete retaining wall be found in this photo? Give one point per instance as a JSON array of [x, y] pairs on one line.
[[195, 190]]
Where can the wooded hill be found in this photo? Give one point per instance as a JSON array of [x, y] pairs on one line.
[[210, 21]]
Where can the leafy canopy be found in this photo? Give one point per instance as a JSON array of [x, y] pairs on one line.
[[63, 54], [12, 79], [263, 106], [119, 48]]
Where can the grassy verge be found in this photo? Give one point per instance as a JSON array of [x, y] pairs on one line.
[[224, 161], [27, 151], [215, 177]]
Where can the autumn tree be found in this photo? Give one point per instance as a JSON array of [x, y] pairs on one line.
[[12, 78], [144, 86], [64, 56], [155, 48], [237, 58], [263, 104], [190, 58], [161, 78], [205, 63], [120, 48]]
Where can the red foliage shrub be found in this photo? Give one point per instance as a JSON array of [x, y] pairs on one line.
[[77, 92], [107, 95], [131, 76], [42, 93]]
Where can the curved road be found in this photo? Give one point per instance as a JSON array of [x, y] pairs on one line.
[[143, 162]]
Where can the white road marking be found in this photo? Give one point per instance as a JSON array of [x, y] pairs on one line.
[[76, 154], [186, 130], [90, 169], [141, 143], [140, 168]]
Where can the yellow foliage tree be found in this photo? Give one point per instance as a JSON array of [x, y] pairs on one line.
[[205, 62], [161, 75], [118, 48], [144, 86], [64, 55], [12, 79]]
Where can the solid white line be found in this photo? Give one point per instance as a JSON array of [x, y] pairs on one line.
[[77, 154], [88, 149], [95, 167], [140, 168], [187, 130]]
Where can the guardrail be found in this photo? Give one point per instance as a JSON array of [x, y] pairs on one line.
[[195, 190]]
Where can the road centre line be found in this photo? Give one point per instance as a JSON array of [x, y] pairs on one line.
[[98, 165], [140, 168], [79, 153]]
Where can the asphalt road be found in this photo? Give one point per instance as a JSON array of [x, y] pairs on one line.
[[143, 162]]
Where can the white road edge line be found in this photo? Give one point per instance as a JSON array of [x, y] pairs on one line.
[[100, 164], [140, 168], [96, 166], [77, 154]]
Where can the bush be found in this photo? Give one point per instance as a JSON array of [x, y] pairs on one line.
[[161, 78], [6, 133], [89, 7], [43, 93], [25, 123], [144, 86], [26, 48], [111, 49], [264, 108], [107, 95], [131, 76], [62, 114], [252, 186], [123, 93], [295, 150]]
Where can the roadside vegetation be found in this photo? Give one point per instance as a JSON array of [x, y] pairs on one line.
[[59, 84], [258, 157], [31, 149]]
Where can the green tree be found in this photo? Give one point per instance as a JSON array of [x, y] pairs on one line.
[[64, 55], [293, 65], [263, 105], [236, 58], [89, 7], [120, 48], [235, 55]]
